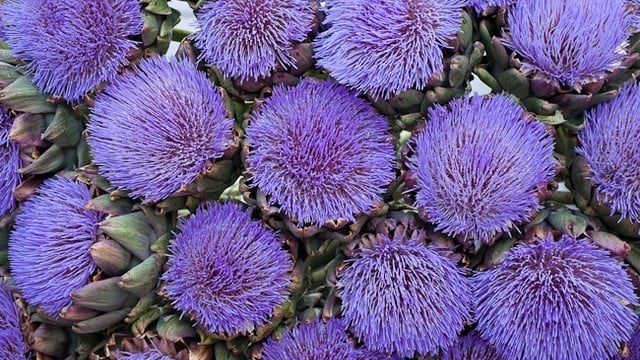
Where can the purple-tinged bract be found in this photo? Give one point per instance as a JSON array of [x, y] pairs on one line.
[[480, 5], [249, 38], [71, 46], [572, 42], [152, 354], [12, 344], [155, 129], [471, 347], [319, 152], [555, 300], [384, 47], [478, 163], [400, 296], [49, 246], [227, 271], [9, 165], [314, 341], [610, 145]]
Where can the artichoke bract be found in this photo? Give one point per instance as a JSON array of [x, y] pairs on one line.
[[318, 158], [565, 55]]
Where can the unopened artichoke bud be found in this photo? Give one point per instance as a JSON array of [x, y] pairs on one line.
[[333, 174], [425, 45], [277, 49], [50, 340], [573, 63], [136, 231], [158, 27], [604, 171]]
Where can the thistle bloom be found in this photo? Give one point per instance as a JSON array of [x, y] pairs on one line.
[[178, 119], [71, 46], [227, 271], [609, 144], [555, 300], [249, 38], [314, 341], [399, 296], [572, 42], [152, 354], [49, 246], [319, 152], [12, 344], [9, 165], [478, 163], [471, 347], [480, 5], [384, 47]]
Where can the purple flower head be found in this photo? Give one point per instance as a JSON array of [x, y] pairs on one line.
[[480, 5], [151, 354], [471, 347], [609, 143], [71, 46], [633, 345], [177, 118], [319, 152], [555, 300], [384, 47], [478, 163], [9, 165], [49, 246], [400, 296], [12, 344], [227, 271], [314, 341], [248, 38], [570, 41]]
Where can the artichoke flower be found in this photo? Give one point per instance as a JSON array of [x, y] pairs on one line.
[[186, 135], [471, 347], [252, 44], [9, 165], [12, 343], [604, 169], [558, 57], [405, 55], [565, 299], [401, 296], [71, 46], [317, 158], [227, 272], [480, 166], [312, 341]]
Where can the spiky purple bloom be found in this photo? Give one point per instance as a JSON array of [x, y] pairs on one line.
[[555, 300], [177, 118], [152, 354], [633, 345], [71, 46], [12, 344], [478, 163], [249, 38], [480, 5], [9, 165], [319, 152], [471, 347], [572, 42], [400, 296], [384, 47], [314, 341], [610, 145], [227, 271], [49, 246]]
